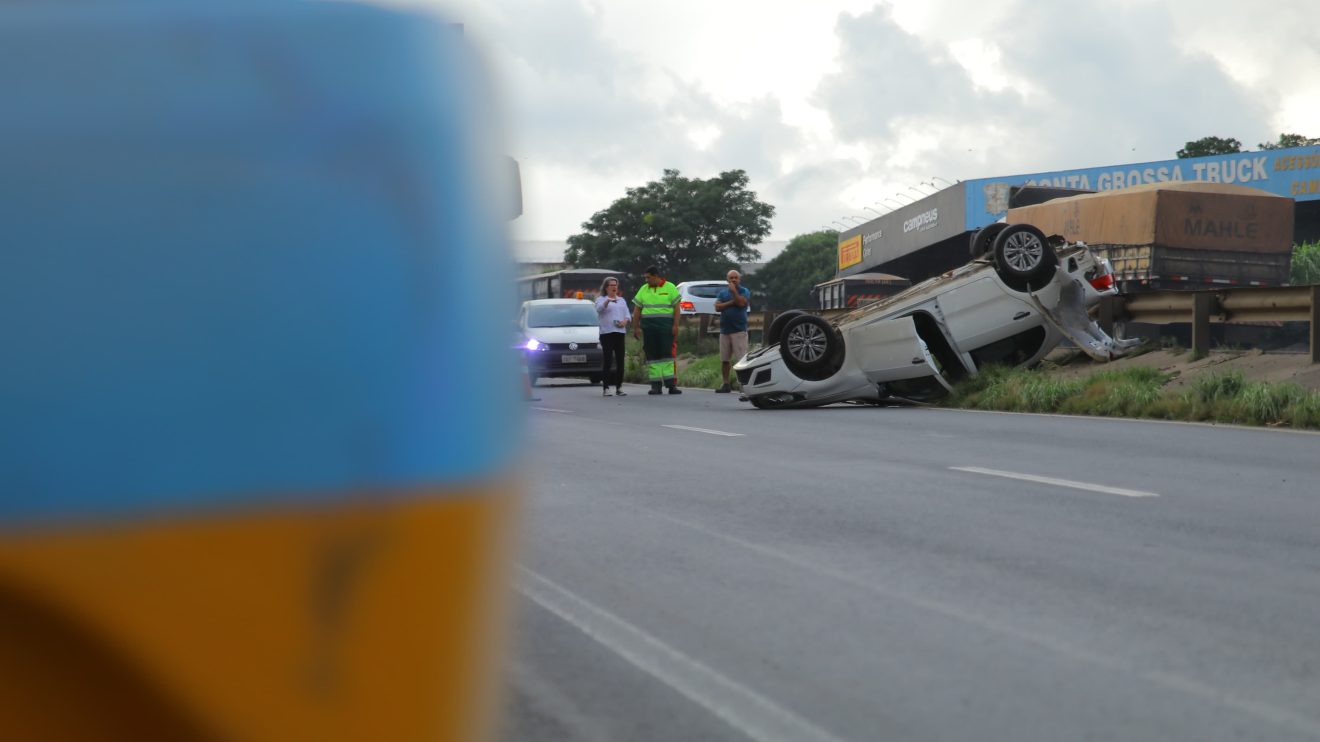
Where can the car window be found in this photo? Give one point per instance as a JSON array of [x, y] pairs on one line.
[[560, 315], [705, 292]]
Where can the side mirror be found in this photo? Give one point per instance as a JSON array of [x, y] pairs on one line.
[[513, 174]]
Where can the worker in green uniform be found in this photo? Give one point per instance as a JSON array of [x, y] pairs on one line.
[[655, 320]]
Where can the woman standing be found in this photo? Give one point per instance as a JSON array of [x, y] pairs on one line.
[[613, 315]]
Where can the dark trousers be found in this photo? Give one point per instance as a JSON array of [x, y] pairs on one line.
[[611, 343]]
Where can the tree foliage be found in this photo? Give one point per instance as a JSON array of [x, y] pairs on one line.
[[785, 282], [690, 228], [1210, 146], [1289, 140]]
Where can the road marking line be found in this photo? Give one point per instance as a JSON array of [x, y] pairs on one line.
[[703, 430], [737, 705], [551, 409], [1057, 482]]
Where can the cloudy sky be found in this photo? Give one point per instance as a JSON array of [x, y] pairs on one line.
[[833, 105]]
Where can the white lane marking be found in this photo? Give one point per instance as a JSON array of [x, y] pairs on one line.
[[551, 409], [737, 705], [703, 430], [1264, 711], [1056, 482]]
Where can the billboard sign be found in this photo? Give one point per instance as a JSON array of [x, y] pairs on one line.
[[1292, 172], [903, 231]]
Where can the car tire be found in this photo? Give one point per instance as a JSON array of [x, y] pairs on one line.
[[594, 378], [1024, 259], [776, 328], [984, 238], [811, 347]]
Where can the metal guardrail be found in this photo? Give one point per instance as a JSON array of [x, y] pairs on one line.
[[1200, 309]]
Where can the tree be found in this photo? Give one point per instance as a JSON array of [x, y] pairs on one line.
[[1289, 140], [785, 282], [1210, 146], [690, 228]]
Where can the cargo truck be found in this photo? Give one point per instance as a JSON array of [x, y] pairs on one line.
[[1177, 235]]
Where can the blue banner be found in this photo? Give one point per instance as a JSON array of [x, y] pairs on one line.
[[1293, 172]]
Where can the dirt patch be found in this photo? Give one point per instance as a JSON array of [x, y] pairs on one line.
[[1254, 365]]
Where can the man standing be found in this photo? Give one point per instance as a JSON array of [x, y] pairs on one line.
[[734, 304], [655, 320]]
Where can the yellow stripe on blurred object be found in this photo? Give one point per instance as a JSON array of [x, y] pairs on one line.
[[370, 622]]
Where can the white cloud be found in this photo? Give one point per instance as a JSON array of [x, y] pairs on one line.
[[833, 105]]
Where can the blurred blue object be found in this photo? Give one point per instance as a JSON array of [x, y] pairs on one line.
[[253, 253]]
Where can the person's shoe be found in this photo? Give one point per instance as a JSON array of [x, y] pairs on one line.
[[620, 392], [655, 389], [723, 390], [675, 390], [604, 391]]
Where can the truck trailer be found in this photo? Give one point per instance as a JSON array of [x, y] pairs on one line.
[[1177, 235]]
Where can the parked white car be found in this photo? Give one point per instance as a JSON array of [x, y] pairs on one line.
[[1021, 295], [698, 297]]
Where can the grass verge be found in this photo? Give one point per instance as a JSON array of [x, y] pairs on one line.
[[1141, 393], [699, 364]]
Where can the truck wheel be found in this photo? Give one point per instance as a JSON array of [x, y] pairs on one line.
[[984, 238], [776, 328], [1023, 257], [811, 347]]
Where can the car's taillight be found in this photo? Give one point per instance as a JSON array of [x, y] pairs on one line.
[[688, 306], [1103, 282]]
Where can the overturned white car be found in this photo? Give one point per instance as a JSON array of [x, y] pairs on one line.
[[1021, 295]]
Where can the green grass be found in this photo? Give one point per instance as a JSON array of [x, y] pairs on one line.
[[696, 370], [1141, 393], [1305, 264]]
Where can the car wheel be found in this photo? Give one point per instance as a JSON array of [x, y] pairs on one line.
[[810, 346], [1023, 257], [776, 329], [594, 378], [984, 238]]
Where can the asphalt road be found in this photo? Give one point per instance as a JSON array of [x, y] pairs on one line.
[[694, 569]]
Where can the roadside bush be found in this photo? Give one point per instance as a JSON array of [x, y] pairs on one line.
[[1126, 393], [1264, 403], [1304, 411], [1043, 394], [703, 372], [1214, 387], [984, 391], [1305, 264]]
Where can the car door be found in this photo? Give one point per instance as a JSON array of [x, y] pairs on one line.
[[890, 350], [982, 311]]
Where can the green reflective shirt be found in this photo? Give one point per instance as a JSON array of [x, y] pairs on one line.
[[659, 301]]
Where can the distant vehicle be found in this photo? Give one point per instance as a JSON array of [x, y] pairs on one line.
[[572, 283], [561, 338], [1010, 307], [698, 297], [857, 290]]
